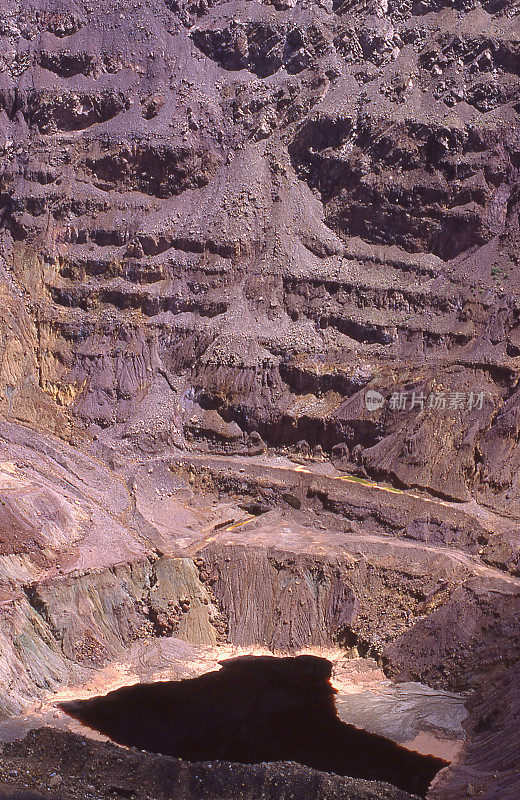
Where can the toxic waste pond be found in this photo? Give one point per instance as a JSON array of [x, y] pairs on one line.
[[254, 709]]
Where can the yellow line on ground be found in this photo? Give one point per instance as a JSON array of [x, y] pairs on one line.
[[391, 490], [361, 481], [371, 485], [238, 524]]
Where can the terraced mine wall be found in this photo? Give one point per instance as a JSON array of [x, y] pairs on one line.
[[262, 212], [221, 224]]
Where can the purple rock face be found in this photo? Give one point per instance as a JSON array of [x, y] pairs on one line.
[[253, 203], [279, 238]]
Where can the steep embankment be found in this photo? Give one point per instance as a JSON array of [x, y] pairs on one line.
[[264, 208], [220, 224], [86, 577]]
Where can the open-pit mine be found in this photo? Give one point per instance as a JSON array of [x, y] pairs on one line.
[[259, 400]]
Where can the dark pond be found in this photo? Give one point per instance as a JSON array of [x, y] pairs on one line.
[[255, 709]]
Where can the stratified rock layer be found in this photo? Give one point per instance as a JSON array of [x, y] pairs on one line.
[[262, 209], [221, 223]]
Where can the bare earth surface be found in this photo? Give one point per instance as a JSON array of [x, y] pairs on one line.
[[221, 225]]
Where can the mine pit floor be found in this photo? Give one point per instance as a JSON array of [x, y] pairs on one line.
[[427, 721]]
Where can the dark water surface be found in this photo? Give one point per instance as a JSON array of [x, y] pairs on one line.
[[255, 709]]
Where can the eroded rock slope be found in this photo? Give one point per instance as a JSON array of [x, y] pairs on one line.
[[220, 225], [262, 209]]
